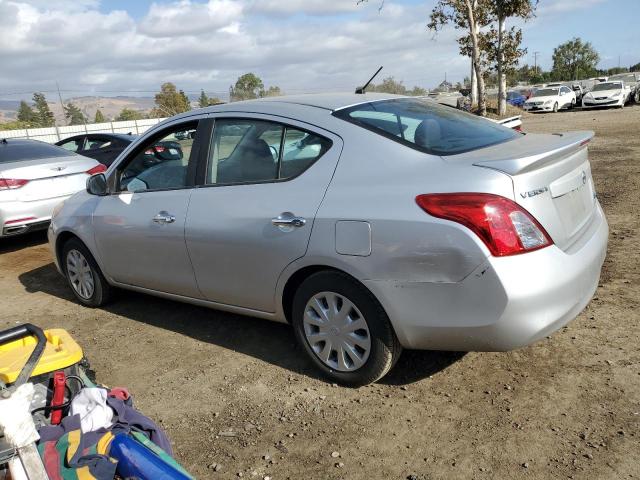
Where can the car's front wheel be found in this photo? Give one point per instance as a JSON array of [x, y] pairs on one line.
[[555, 107], [343, 329], [84, 276]]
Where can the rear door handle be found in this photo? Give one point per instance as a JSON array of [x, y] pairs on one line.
[[288, 220], [164, 217]]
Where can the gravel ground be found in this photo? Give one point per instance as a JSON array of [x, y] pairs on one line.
[[238, 398]]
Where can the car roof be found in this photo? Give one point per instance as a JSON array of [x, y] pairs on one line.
[[326, 101]]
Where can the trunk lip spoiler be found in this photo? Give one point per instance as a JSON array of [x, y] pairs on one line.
[[571, 142]]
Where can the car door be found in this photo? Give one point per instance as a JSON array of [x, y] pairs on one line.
[[139, 228], [262, 186]]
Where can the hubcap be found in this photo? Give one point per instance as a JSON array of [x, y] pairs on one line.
[[336, 331], [80, 274]]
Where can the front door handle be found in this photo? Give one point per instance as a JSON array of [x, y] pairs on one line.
[[287, 220], [164, 217]]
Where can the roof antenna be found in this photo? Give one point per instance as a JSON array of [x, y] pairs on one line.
[[360, 90]]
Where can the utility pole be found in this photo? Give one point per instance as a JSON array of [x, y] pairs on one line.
[[535, 62], [60, 97]]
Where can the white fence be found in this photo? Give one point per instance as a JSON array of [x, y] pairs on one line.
[[54, 134]]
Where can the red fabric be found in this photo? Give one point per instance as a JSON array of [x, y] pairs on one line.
[[52, 461], [121, 393]]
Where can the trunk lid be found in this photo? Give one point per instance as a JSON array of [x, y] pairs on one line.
[[551, 177], [48, 177]]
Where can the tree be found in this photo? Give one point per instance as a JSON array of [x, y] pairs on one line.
[[127, 114], [247, 86], [272, 91], [390, 85], [99, 118], [170, 101], [634, 68], [203, 101], [74, 115], [501, 46], [26, 113], [417, 92], [574, 59], [468, 15], [14, 125], [43, 116]]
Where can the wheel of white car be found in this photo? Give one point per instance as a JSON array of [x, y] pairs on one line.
[[573, 103], [555, 107], [343, 329], [83, 274]]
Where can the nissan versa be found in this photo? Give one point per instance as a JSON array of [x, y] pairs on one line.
[[369, 222]]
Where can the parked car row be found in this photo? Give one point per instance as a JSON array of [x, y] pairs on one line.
[[368, 222]]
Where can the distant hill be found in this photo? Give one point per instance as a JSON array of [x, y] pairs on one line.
[[109, 106]]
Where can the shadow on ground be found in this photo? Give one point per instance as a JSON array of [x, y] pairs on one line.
[[20, 242], [267, 341]]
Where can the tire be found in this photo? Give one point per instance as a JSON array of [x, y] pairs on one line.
[[368, 358], [74, 253], [555, 107], [573, 104]]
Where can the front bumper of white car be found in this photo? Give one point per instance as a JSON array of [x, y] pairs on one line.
[[532, 107], [506, 303], [594, 102]]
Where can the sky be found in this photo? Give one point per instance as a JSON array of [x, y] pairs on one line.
[[130, 47]]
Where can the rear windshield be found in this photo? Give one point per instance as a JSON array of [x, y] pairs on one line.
[[17, 150], [426, 125]]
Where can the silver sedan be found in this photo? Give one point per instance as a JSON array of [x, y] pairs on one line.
[[35, 177], [369, 222]]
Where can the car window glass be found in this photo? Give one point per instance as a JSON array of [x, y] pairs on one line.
[[72, 145], [249, 151], [300, 150], [244, 151], [96, 143], [161, 163], [426, 125]]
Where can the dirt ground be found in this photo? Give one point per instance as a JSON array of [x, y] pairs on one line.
[[238, 399]]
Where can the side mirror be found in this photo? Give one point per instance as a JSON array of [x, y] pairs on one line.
[[97, 185]]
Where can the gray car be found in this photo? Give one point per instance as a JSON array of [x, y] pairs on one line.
[[369, 222]]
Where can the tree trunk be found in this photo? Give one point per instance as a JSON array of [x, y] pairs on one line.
[[474, 81], [482, 101], [502, 78]]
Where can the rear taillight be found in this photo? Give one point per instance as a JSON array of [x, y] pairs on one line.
[[97, 169], [504, 226], [12, 183]]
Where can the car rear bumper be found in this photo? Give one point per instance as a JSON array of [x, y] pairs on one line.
[[506, 303], [21, 217]]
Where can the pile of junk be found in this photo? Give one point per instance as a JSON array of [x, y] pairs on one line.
[[56, 423]]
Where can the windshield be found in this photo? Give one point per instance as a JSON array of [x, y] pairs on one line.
[[546, 92], [629, 77], [607, 86], [427, 126], [17, 150]]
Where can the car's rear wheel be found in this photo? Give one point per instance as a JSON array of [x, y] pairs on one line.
[[84, 276], [344, 329]]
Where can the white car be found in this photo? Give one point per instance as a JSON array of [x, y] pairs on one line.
[[607, 94], [551, 99], [34, 178]]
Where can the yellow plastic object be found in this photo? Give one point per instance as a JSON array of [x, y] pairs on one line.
[[61, 352]]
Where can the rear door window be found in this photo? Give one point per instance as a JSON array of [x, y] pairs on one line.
[[427, 126], [255, 151]]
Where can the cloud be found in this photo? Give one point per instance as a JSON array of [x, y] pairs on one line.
[[189, 18], [300, 46]]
